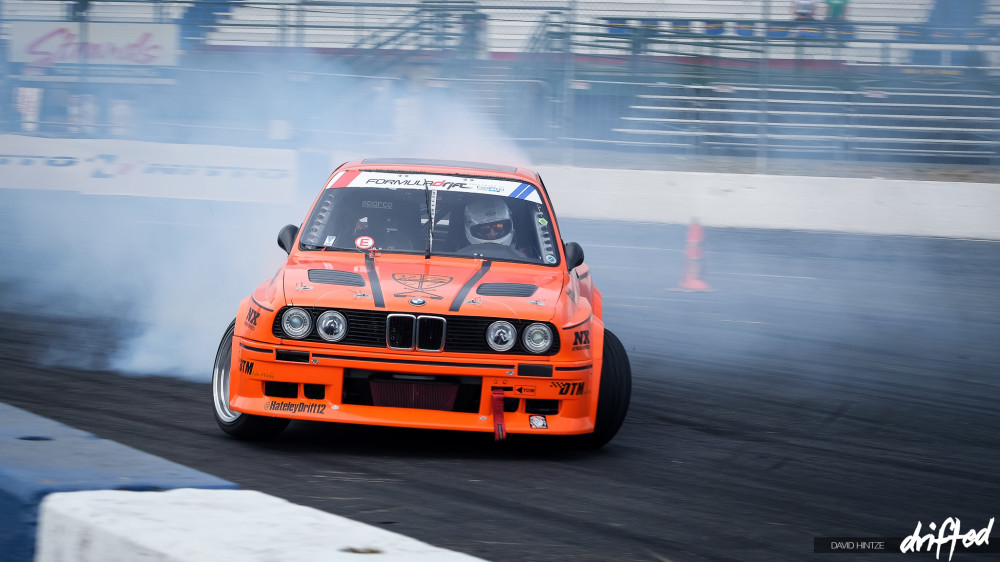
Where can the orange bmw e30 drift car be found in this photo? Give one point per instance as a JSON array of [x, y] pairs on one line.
[[426, 294]]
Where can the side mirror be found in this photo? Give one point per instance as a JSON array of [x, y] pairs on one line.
[[286, 236], [574, 255]]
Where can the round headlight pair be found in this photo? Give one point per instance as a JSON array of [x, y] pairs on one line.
[[502, 335], [297, 323], [537, 338]]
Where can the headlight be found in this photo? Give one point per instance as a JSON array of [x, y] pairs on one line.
[[537, 338], [296, 323], [331, 325], [501, 335]]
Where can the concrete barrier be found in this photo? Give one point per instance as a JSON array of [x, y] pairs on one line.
[[854, 205], [209, 526], [69, 496], [39, 456], [147, 169]]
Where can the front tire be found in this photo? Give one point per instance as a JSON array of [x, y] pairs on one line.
[[613, 397], [237, 424]]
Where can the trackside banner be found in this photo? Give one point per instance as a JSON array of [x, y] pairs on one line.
[[44, 44], [119, 167]]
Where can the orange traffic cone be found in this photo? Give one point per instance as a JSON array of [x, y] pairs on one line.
[[691, 280]]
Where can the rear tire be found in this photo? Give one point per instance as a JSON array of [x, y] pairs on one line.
[[613, 397], [237, 424]]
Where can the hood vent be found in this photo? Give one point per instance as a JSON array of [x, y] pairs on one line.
[[334, 277], [506, 289]]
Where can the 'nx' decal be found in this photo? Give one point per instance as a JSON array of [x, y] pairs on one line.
[[252, 316]]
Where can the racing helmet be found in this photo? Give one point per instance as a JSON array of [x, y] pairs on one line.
[[488, 221]]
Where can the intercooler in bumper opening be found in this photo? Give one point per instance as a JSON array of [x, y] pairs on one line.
[[426, 395], [399, 390]]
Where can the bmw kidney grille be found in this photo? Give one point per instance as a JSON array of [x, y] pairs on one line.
[[406, 331]]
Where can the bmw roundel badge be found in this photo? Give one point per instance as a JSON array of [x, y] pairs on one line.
[[417, 301]]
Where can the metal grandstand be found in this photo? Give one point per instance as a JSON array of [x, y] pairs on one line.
[[901, 80]]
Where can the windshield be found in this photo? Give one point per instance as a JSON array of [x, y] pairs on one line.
[[472, 217]]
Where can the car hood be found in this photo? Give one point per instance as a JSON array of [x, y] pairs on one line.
[[439, 285]]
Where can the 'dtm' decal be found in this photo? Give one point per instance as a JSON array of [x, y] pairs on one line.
[[420, 284], [569, 388], [246, 367]]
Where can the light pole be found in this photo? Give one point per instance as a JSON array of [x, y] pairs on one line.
[[567, 89], [80, 8], [765, 63]]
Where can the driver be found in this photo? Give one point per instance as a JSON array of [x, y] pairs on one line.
[[488, 221]]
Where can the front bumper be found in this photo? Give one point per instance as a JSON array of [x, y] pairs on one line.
[[419, 390]]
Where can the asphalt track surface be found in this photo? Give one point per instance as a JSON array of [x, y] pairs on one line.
[[828, 385]]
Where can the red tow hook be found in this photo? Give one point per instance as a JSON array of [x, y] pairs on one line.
[[499, 433]]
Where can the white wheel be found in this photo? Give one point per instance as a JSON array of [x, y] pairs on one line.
[[237, 424]]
